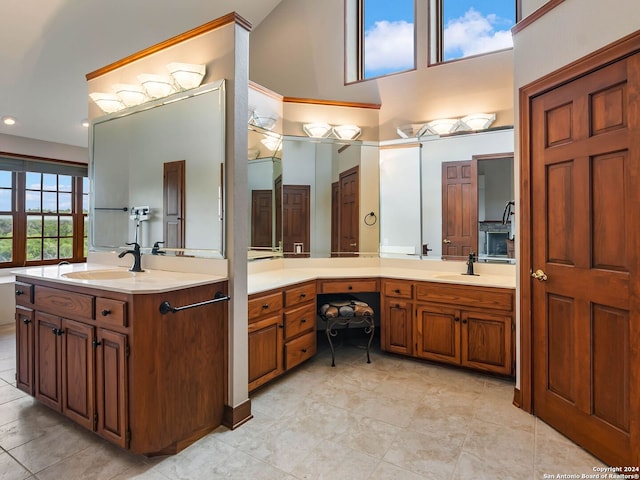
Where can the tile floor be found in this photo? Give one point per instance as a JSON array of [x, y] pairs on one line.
[[393, 419]]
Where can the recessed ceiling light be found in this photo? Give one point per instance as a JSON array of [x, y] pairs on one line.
[[85, 123], [7, 120]]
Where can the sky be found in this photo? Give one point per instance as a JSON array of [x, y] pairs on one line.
[[471, 27]]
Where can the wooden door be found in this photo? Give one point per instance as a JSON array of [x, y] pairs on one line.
[[48, 389], [349, 211], [296, 219], [24, 349], [397, 327], [111, 386], [277, 189], [261, 218], [486, 342], [438, 333], [585, 157], [78, 401], [265, 350], [173, 213], [459, 208]]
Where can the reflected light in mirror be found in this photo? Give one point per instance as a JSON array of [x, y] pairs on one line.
[[156, 86], [130, 95], [317, 130], [253, 153], [108, 102], [187, 75], [479, 121], [272, 143], [347, 132]]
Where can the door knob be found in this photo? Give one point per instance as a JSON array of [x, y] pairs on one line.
[[446, 241], [352, 244], [539, 275]]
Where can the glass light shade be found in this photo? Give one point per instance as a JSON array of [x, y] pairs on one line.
[[130, 95], [272, 143], [347, 132], [253, 153], [156, 86], [7, 120], [443, 126], [409, 131], [317, 130], [108, 102], [187, 75], [266, 122], [479, 121]]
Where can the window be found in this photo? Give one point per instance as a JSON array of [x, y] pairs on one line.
[[43, 216], [386, 37], [464, 28]]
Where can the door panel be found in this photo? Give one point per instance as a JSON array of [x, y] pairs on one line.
[[438, 333], [261, 218], [24, 349], [174, 203], [459, 208], [78, 373], [48, 361], [296, 218], [585, 183], [348, 211]]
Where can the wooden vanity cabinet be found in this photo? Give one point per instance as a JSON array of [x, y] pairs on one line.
[[299, 324], [397, 306], [114, 364]]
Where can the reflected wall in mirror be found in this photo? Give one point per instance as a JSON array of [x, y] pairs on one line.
[[265, 193], [328, 188], [156, 174]]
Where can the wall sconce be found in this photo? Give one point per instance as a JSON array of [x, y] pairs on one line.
[[108, 102], [347, 132], [130, 95], [187, 75], [156, 86], [479, 121], [317, 130]]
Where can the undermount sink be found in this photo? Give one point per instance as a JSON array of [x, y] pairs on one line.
[[100, 275]]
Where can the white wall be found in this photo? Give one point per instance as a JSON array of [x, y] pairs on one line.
[[39, 148]]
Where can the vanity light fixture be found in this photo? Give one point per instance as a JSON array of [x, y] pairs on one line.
[[317, 130], [347, 132], [187, 75], [130, 95], [252, 153], [108, 102], [409, 131], [8, 120], [479, 121], [156, 86], [442, 126], [272, 143]]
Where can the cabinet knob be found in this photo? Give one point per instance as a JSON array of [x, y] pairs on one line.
[[280, 325], [350, 287], [96, 342], [457, 319], [464, 321], [57, 331], [304, 350], [302, 295], [397, 290], [105, 312], [265, 306], [19, 292], [303, 320], [26, 321]]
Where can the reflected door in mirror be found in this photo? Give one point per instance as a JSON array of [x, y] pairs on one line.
[[348, 211], [261, 218], [296, 220], [173, 208], [459, 208]]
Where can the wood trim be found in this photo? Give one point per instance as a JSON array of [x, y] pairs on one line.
[[600, 58], [400, 145], [517, 397], [492, 156], [232, 17], [535, 16], [332, 103], [233, 417], [259, 88]]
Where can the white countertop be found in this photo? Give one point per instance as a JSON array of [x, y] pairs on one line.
[[277, 278], [149, 281]]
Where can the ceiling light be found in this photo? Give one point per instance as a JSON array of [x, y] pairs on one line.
[[347, 132], [317, 130], [156, 86], [108, 102], [7, 120], [130, 95], [479, 121], [187, 75]]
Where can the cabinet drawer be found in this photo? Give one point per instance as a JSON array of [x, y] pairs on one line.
[[398, 289], [264, 305], [465, 295], [63, 303], [349, 285], [301, 294], [24, 293], [298, 350], [112, 312], [299, 320]]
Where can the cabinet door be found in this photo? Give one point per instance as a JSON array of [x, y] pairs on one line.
[[486, 341], [438, 333], [111, 386], [78, 373], [24, 349], [396, 327], [48, 389], [265, 350]]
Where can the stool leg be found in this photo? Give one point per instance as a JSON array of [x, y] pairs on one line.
[[328, 332], [372, 329]]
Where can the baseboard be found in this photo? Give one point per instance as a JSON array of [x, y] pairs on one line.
[[233, 417], [517, 397]]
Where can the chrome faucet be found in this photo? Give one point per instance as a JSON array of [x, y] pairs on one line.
[[470, 259], [136, 267]]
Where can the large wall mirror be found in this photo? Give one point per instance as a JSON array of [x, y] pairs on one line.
[[444, 190], [157, 175]]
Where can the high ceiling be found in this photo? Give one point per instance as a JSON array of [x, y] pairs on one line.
[[47, 47]]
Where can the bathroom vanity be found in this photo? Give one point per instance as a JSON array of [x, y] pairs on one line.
[[94, 346]]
